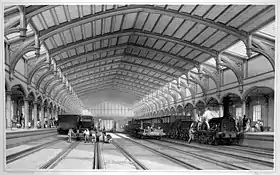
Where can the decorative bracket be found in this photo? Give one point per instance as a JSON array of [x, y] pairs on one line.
[[212, 73], [235, 65], [201, 82], [260, 47]]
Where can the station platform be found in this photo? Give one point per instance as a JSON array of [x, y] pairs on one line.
[[10, 130], [259, 140], [26, 130], [20, 136]]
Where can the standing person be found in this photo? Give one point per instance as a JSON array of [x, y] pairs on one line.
[[192, 130], [244, 121], [22, 120], [86, 133], [70, 132], [77, 134]]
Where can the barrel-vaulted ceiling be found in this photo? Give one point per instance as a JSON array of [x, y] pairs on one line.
[[139, 48]]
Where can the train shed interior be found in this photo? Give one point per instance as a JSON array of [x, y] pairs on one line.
[[159, 64]]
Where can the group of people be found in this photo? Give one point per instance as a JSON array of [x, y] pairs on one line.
[[20, 122], [90, 135], [258, 126]]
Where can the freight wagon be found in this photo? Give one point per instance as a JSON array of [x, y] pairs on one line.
[[66, 122]]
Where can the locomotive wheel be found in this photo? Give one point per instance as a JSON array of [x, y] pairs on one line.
[[210, 140], [214, 141]]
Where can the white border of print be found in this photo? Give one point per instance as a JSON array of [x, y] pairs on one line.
[[70, 172]]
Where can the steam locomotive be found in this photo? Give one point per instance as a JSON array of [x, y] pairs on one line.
[[222, 130]]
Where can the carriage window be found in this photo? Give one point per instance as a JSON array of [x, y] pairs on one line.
[[256, 112]]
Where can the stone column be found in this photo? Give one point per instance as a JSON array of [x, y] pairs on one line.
[[35, 114], [221, 110], [26, 115], [42, 116], [8, 109], [141, 124], [243, 108], [46, 114]]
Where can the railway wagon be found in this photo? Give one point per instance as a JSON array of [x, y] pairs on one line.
[[86, 122], [66, 122]]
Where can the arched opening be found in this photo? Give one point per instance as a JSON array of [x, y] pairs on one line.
[[161, 113], [172, 114], [180, 112], [31, 99], [260, 107], [166, 119], [200, 108], [17, 106], [189, 111]]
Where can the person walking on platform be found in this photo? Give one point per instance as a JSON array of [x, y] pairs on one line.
[[86, 133], [70, 132], [192, 130]]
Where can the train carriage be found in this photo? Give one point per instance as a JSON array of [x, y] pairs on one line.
[[150, 133]]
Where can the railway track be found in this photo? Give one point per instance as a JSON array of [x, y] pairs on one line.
[[131, 158], [242, 150], [16, 156], [173, 159], [97, 159], [54, 161], [240, 157], [25, 142], [204, 158], [254, 147], [251, 151]]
